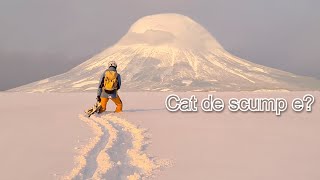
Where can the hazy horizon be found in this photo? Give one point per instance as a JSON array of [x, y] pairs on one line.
[[40, 39]]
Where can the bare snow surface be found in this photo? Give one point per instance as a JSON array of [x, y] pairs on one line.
[[45, 136], [41, 133]]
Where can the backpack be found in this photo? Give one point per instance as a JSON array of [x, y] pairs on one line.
[[110, 80]]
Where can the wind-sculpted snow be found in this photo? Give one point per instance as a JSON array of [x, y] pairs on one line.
[[162, 52], [116, 152]]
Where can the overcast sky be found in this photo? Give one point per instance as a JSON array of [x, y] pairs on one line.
[[41, 38]]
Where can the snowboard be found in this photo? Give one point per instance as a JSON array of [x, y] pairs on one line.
[[94, 109]]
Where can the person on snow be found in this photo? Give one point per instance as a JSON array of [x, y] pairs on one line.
[[110, 83]]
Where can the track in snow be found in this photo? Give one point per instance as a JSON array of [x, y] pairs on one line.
[[116, 152]]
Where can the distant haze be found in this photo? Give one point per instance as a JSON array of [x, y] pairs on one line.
[[39, 39]]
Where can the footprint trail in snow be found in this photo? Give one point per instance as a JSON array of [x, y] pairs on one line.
[[116, 152]]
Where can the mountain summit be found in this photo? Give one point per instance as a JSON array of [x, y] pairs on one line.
[[174, 30], [171, 52]]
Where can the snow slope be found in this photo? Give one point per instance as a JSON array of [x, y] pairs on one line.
[[40, 134], [171, 52], [41, 140], [44, 137], [232, 146]]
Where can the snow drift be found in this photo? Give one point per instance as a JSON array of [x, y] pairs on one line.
[[171, 52]]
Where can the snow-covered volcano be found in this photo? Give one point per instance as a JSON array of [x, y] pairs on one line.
[[172, 52]]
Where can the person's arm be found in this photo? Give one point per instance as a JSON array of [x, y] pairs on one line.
[[119, 81], [100, 85]]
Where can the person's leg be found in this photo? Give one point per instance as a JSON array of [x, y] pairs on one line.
[[103, 102], [118, 103]]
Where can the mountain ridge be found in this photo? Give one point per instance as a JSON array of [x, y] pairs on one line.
[[171, 52]]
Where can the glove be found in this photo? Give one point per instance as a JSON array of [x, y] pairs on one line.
[[98, 99]]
